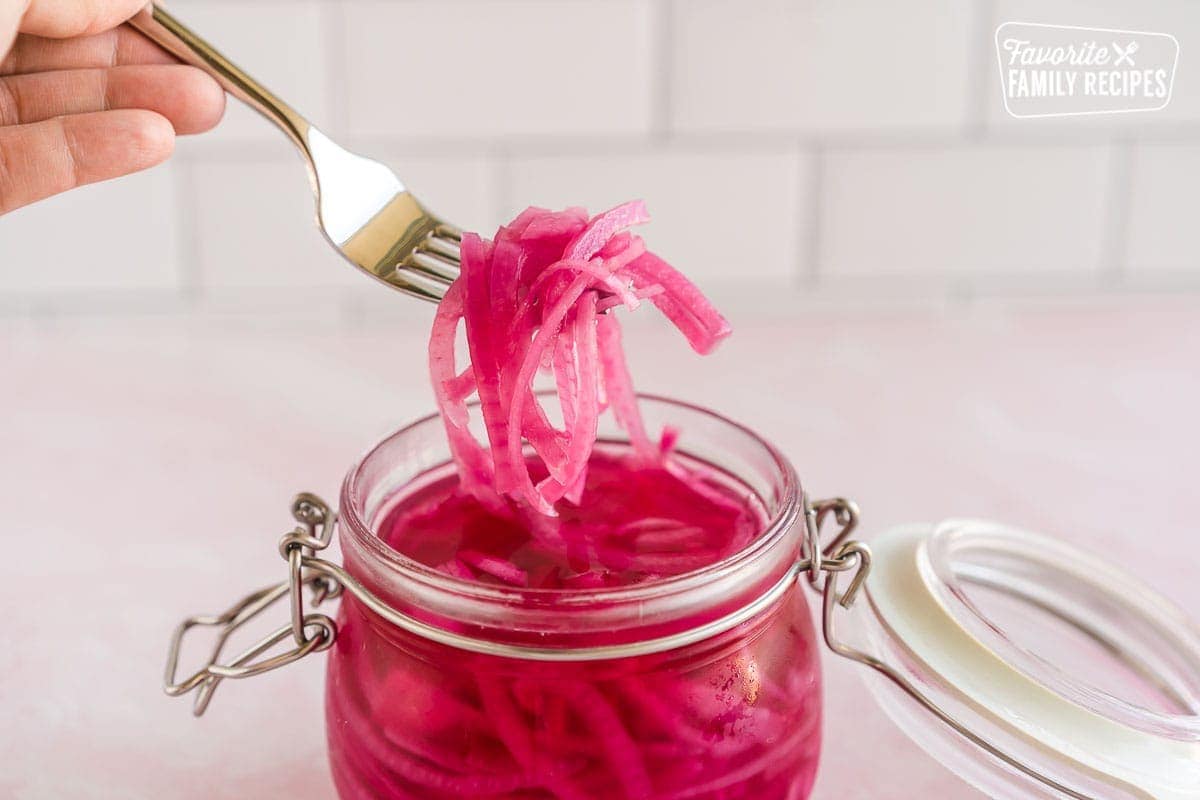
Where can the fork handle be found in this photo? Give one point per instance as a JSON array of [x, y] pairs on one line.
[[169, 33]]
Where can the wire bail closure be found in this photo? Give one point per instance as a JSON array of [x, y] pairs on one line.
[[841, 554], [311, 632]]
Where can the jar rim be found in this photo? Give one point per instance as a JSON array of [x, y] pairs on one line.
[[776, 528]]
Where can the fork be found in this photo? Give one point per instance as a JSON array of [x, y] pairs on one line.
[[363, 208]]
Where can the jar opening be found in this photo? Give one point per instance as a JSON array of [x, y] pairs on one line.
[[412, 455]]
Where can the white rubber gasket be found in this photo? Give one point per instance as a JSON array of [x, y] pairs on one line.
[[914, 606]]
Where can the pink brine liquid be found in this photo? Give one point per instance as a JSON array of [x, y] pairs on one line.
[[733, 717]]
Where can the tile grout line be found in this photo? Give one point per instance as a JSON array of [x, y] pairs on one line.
[[350, 310], [860, 293], [187, 211], [810, 233], [1115, 247], [502, 179], [242, 150], [662, 60], [979, 71], [333, 13]]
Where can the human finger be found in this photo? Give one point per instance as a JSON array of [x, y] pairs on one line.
[[191, 100], [45, 158], [62, 19], [117, 47]]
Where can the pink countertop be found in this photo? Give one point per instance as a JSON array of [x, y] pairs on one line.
[[147, 467]]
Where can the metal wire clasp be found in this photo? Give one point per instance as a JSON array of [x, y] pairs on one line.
[[822, 564], [310, 632]]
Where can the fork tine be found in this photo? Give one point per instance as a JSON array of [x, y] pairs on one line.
[[442, 247], [429, 269], [448, 231], [417, 284], [433, 266]]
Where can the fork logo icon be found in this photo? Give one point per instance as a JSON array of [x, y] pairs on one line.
[[1124, 56]]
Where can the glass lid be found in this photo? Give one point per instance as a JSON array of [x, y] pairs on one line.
[[1030, 668]]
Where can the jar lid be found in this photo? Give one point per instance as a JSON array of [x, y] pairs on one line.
[[1070, 677]]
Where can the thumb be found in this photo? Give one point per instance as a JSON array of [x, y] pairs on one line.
[[62, 19], [11, 12]]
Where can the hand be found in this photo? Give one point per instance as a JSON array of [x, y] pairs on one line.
[[84, 98]]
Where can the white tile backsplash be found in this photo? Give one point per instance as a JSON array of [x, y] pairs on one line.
[[820, 66], [722, 217], [983, 210], [1163, 235], [460, 188], [118, 236], [255, 228], [480, 68], [808, 149]]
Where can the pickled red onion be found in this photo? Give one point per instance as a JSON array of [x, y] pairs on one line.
[[538, 297]]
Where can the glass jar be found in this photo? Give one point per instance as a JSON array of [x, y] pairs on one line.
[[705, 685]]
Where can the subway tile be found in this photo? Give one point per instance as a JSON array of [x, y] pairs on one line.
[[116, 236], [1178, 17], [820, 65], [285, 45], [255, 220], [255, 228], [721, 217], [912, 212], [459, 189], [1162, 234], [476, 68]]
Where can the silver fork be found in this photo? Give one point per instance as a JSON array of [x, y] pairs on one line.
[[363, 208]]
